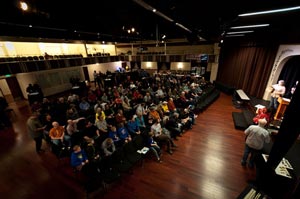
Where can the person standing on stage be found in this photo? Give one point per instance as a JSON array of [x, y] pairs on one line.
[[278, 90]]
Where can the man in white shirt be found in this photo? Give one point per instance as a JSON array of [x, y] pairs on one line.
[[256, 137], [278, 90]]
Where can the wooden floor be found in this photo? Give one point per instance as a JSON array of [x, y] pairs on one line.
[[205, 165]]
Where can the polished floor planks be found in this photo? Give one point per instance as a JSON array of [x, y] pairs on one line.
[[205, 165]]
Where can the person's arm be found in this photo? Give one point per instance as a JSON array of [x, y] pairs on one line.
[[97, 132], [247, 131]]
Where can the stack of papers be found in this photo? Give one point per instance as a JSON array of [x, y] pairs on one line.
[[143, 150]]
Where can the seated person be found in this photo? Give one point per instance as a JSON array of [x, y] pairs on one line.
[[160, 137], [171, 105], [153, 146], [173, 127], [78, 158], [123, 133], [108, 147], [165, 108], [92, 151], [113, 134], [120, 118], [101, 124], [153, 115], [58, 136], [80, 162], [72, 129], [141, 109], [140, 122], [84, 106], [186, 120], [133, 127], [109, 114], [90, 131]]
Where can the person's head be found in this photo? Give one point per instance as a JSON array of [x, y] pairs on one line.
[[176, 115], [151, 134], [61, 100], [55, 124], [155, 121], [281, 82], [262, 122], [99, 110], [152, 108], [113, 128], [76, 148], [109, 141], [35, 113], [48, 117]]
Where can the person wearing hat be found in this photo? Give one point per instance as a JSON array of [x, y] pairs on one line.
[[256, 137]]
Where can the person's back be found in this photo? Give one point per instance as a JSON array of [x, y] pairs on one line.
[[256, 136]]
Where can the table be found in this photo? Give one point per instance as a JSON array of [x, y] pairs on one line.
[[242, 95]]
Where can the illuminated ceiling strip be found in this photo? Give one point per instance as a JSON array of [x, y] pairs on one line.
[[183, 27], [237, 35], [241, 32], [269, 11], [250, 26]]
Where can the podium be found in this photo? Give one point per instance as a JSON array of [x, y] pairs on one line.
[[283, 103]]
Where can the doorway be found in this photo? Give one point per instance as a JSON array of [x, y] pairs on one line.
[[14, 88]]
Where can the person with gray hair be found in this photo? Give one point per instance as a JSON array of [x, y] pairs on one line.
[[277, 90], [256, 137]]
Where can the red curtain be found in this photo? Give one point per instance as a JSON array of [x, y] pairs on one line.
[[246, 67]]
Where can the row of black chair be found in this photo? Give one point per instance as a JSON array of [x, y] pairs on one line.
[[111, 168], [36, 58]]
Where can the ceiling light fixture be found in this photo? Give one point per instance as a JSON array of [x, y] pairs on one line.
[[240, 32], [23, 5], [250, 26], [269, 11]]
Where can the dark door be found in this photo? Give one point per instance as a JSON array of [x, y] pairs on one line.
[[86, 73], [14, 87]]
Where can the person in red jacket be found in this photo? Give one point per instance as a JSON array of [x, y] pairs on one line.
[[261, 114]]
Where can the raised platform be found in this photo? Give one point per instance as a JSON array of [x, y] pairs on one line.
[[243, 120]]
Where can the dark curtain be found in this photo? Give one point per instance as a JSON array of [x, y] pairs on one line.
[[290, 73], [246, 67]]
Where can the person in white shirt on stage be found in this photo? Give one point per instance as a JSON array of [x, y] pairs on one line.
[[278, 90]]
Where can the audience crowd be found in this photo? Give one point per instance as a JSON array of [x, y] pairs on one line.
[[93, 126]]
